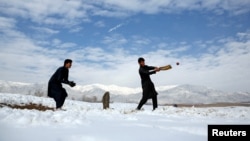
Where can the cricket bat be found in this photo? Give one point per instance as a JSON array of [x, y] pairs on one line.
[[167, 67]]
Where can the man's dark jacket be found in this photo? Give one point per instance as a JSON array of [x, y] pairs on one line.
[[55, 89], [148, 88]]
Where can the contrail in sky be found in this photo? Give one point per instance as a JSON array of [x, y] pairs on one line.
[[116, 27]]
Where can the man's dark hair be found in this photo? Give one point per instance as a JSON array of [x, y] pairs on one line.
[[66, 61], [141, 59]]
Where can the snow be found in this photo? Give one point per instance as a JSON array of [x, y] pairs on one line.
[[83, 121]]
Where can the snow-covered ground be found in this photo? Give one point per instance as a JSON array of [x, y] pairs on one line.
[[82, 121]]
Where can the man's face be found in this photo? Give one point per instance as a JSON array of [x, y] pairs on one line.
[[142, 63], [68, 65]]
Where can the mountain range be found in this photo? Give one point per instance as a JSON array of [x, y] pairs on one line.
[[173, 94]]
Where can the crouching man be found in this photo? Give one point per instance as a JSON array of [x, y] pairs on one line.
[[55, 89]]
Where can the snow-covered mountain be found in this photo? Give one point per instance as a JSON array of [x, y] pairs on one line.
[[176, 94]]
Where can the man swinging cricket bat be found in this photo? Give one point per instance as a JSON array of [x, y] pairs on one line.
[[148, 88]]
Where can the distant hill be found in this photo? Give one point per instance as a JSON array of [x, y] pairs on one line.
[[176, 94]]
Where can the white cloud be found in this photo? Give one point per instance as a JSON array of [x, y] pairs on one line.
[[60, 12], [115, 40], [225, 65], [172, 6], [100, 24], [70, 13], [68, 45], [45, 30], [59, 44], [140, 40], [56, 42], [7, 23], [75, 29], [24, 61], [226, 69]]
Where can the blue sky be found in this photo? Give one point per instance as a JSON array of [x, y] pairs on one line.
[[210, 39]]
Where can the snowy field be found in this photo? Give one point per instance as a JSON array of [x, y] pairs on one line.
[[82, 121]]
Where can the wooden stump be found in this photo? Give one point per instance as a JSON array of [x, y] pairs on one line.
[[105, 100]]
